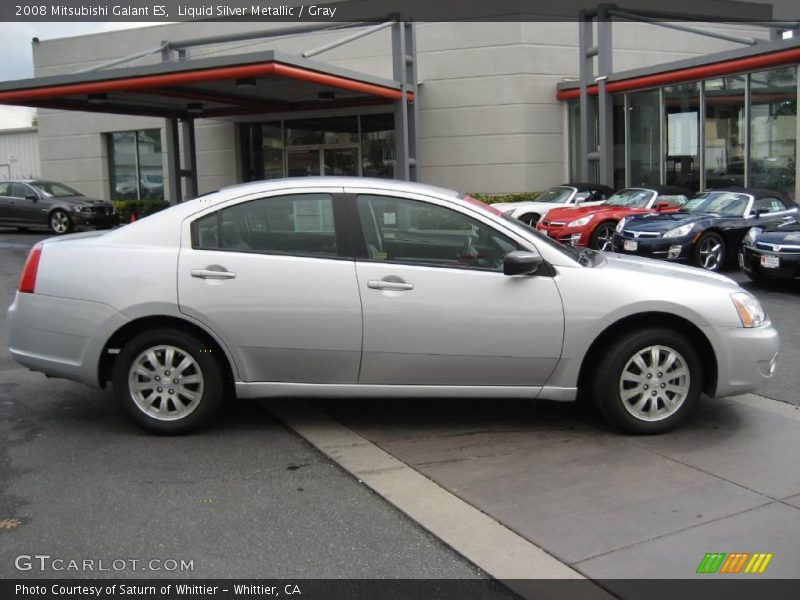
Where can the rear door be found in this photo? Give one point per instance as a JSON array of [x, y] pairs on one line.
[[275, 279], [437, 308], [6, 205]]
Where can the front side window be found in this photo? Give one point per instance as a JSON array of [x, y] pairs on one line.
[[557, 194], [52, 189], [17, 190], [414, 232], [769, 205], [300, 224], [673, 199]]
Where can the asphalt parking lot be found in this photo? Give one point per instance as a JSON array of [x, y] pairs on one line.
[[250, 498]]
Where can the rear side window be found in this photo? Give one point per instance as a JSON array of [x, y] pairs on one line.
[[300, 224], [673, 199]]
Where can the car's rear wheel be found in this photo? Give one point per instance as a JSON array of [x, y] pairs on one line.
[[59, 222], [648, 381], [603, 236], [709, 252], [168, 381]]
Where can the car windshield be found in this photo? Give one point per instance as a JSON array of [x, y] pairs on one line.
[[728, 204], [631, 198], [55, 190], [556, 194]]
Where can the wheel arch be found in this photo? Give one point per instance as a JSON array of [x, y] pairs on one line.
[[652, 319], [136, 326]]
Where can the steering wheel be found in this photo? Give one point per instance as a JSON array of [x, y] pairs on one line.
[[468, 251]]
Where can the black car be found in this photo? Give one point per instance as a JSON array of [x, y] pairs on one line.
[[772, 251], [31, 204], [707, 231]]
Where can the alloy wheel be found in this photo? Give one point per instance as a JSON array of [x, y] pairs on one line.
[[166, 382], [604, 237], [710, 253], [654, 383], [59, 222]]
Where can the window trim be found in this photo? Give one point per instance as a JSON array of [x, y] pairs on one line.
[[340, 225]]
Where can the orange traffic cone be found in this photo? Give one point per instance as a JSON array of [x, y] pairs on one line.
[[133, 217]]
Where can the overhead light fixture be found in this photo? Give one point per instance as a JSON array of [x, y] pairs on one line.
[[97, 98], [195, 108], [326, 96], [246, 82]]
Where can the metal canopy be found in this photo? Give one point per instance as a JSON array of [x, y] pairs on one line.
[[227, 87]]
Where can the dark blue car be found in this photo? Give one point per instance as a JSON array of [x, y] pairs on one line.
[[707, 231], [772, 251]]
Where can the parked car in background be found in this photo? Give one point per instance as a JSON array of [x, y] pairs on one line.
[[772, 251], [569, 194], [345, 287], [34, 203], [593, 226], [707, 231]]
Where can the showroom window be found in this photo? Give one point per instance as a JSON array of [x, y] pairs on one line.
[[725, 131], [644, 135], [682, 108], [135, 165], [773, 129]]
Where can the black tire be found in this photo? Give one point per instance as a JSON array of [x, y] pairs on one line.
[[60, 222], [211, 389], [607, 382], [604, 231], [530, 218], [709, 252]]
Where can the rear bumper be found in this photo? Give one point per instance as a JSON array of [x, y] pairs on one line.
[[746, 357], [61, 337]]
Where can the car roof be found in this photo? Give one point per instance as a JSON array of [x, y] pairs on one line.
[[662, 189], [584, 186], [337, 181]]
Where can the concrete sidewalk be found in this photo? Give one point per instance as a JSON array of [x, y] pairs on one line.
[[607, 505]]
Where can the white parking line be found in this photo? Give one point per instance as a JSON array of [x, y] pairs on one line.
[[499, 551]]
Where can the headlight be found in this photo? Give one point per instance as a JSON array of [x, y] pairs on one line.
[[751, 236], [621, 224], [679, 231], [580, 222], [80, 208], [750, 310]]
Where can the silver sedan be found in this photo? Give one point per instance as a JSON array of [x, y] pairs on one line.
[[345, 287]]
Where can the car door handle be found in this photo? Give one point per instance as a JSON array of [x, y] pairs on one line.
[[213, 273], [397, 286]]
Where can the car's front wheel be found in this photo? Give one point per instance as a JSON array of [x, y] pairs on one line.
[[648, 381], [59, 222], [709, 252], [603, 236], [168, 381]]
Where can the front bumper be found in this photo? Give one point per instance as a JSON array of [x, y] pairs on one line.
[[782, 265], [746, 357], [572, 236], [674, 249], [92, 219]]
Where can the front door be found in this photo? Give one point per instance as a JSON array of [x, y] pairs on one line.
[[438, 309], [277, 284]]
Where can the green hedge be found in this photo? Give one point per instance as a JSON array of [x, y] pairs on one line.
[[515, 197], [141, 208]]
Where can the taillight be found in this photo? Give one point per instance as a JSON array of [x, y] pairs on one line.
[[27, 282]]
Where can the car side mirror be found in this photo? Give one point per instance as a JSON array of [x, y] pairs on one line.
[[520, 262], [661, 206], [33, 197]]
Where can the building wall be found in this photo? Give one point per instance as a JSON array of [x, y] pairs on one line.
[[489, 118], [19, 154]]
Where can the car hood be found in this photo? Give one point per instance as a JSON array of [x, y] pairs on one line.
[[663, 221], [650, 266], [570, 214], [80, 201], [785, 235]]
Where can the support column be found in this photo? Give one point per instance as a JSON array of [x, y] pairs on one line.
[[405, 112], [586, 71], [173, 161], [605, 104], [189, 157]]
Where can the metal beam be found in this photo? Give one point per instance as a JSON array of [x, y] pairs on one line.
[[173, 161], [685, 28], [250, 35], [189, 171], [586, 71], [346, 39], [605, 103], [405, 116]]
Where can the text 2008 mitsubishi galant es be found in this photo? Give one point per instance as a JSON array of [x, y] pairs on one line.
[[358, 287]]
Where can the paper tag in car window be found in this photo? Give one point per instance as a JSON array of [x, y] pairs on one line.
[[380, 255]]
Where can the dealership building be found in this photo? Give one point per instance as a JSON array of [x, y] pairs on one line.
[[624, 99]]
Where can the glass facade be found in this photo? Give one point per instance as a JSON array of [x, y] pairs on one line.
[[737, 130], [135, 165], [341, 145]]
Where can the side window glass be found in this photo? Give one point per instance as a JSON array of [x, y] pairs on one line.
[[17, 190], [4, 185], [415, 232], [581, 196], [673, 200], [300, 224], [769, 205]]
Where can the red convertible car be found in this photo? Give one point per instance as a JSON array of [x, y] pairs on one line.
[[593, 226]]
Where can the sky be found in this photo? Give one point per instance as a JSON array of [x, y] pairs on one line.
[[17, 60]]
